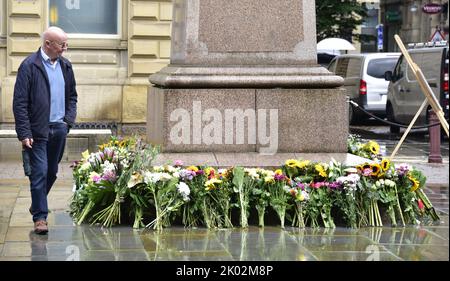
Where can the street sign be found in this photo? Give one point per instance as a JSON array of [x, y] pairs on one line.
[[437, 36], [380, 37]]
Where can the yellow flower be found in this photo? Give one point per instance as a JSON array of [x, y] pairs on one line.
[[269, 179], [278, 172], [211, 184], [300, 197], [292, 163], [210, 170], [359, 168], [192, 168], [123, 143], [375, 169], [415, 182], [385, 164], [85, 154], [374, 147], [303, 164], [321, 170]]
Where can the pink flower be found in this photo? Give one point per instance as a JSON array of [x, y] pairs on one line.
[[367, 172], [178, 163]]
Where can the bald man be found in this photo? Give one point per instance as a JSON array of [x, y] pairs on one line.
[[44, 107]]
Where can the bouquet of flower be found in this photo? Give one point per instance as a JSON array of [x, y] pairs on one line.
[[300, 197], [260, 194], [216, 205], [346, 200], [279, 194], [101, 179], [370, 149], [412, 198], [168, 193]]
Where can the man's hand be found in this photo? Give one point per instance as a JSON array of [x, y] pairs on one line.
[[27, 143]]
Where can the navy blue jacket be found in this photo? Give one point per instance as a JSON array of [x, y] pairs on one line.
[[31, 104]]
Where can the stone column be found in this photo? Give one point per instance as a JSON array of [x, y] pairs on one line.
[[244, 77]]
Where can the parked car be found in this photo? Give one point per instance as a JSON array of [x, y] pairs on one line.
[[404, 93], [364, 81]]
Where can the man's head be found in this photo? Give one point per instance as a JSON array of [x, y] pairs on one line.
[[54, 42]]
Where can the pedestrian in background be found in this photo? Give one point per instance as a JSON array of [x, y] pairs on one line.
[[44, 107]]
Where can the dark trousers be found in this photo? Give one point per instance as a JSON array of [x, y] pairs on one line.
[[44, 158]]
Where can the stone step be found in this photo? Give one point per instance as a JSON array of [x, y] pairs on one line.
[[78, 141]]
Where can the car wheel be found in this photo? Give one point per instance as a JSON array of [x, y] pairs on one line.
[[390, 117]]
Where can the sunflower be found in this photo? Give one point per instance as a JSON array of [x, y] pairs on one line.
[[375, 169], [385, 164], [292, 163], [374, 147], [278, 172], [359, 168], [415, 182]]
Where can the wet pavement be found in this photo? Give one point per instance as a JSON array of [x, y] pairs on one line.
[[66, 241]]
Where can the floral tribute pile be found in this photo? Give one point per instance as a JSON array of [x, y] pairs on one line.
[[118, 184]]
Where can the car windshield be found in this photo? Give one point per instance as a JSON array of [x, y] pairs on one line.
[[377, 67]]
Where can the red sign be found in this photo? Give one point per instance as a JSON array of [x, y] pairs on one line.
[[432, 8]]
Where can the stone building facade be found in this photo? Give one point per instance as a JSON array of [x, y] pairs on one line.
[[129, 40], [406, 18]]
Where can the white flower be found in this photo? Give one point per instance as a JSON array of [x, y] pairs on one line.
[[166, 177], [222, 171], [184, 190], [158, 168], [85, 166], [151, 177], [305, 195], [108, 167], [253, 173]]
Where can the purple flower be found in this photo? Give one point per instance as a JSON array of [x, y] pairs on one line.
[[334, 185], [187, 175], [402, 169], [278, 177], [301, 186], [109, 176]]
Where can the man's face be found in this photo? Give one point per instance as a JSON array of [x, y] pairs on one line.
[[56, 47]]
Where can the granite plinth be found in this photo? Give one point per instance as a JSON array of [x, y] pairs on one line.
[[248, 120]]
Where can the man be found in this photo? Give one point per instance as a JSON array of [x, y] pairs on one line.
[[44, 109]]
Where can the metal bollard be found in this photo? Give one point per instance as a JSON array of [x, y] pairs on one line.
[[435, 139]]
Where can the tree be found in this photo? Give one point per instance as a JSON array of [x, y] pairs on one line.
[[339, 18]]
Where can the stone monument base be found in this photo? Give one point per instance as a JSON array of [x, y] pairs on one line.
[[267, 121]]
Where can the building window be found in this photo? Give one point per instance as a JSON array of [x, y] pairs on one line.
[[85, 17]]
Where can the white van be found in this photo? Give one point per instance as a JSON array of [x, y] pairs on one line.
[[364, 81], [404, 93]]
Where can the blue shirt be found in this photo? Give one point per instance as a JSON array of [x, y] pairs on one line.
[[57, 85]]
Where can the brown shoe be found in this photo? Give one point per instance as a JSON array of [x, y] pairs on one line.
[[31, 212], [40, 227]]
